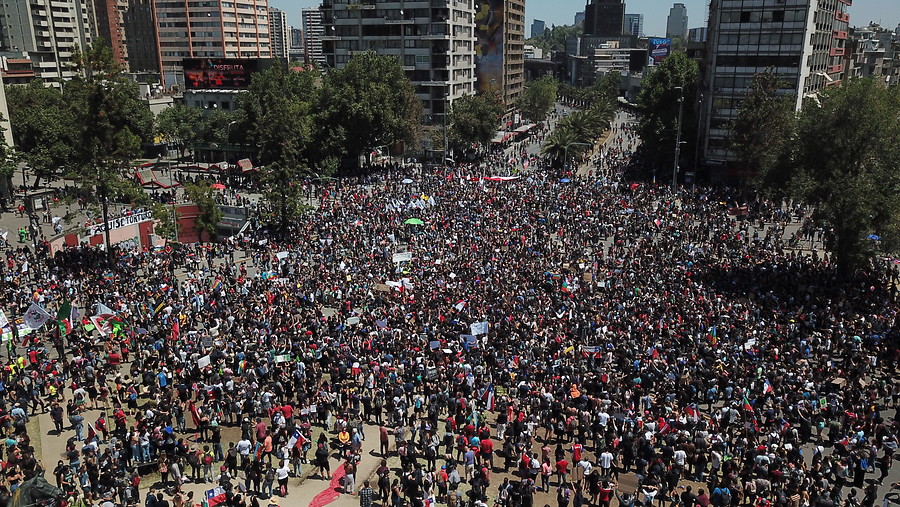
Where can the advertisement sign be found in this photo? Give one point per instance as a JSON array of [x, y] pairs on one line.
[[489, 46], [659, 50], [223, 73]]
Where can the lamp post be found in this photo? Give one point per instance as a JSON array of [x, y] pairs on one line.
[[678, 137]]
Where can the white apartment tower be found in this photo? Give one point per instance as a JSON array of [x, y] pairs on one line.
[[279, 33], [48, 31], [219, 29], [801, 41], [433, 39], [313, 31]]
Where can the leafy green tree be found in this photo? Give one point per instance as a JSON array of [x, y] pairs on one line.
[[845, 162], [474, 119], [554, 38], [183, 125], [42, 127], [658, 103], [9, 162], [166, 225], [110, 122], [278, 119], [369, 103], [538, 98], [562, 145], [210, 214], [763, 126]]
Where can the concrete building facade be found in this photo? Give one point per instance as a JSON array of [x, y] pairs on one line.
[[802, 41], [48, 31], [433, 39], [677, 22], [218, 29], [537, 28], [313, 31], [278, 33], [513, 51], [604, 18], [634, 25]]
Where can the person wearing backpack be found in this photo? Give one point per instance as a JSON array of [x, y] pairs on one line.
[[207, 461]]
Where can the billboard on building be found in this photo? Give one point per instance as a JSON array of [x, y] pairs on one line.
[[221, 73], [659, 50], [489, 47]]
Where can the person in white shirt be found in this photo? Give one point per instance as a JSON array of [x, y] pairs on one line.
[[606, 461], [282, 473]]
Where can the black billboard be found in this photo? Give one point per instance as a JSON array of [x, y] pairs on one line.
[[221, 73]]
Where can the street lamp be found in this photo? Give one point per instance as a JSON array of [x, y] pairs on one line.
[[678, 136]]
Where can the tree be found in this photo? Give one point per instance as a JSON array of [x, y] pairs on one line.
[[369, 103], [183, 125], [562, 145], [277, 117], [845, 162], [9, 162], [110, 122], [555, 37], [42, 127], [659, 102], [166, 221], [210, 214], [538, 98], [763, 126], [474, 119]]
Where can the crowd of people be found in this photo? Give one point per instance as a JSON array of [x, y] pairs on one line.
[[527, 338]]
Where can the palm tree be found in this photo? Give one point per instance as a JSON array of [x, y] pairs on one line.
[[562, 144]]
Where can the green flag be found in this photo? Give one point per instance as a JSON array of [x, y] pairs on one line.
[[65, 311]]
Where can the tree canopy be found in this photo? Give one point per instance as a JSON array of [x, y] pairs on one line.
[[658, 102], [538, 98], [844, 159], [474, 119], [369, 103]]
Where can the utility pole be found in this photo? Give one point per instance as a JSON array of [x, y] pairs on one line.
[[678, 137]]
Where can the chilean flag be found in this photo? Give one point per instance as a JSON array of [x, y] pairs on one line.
[[215, 496], [767, 387], [296, 440]]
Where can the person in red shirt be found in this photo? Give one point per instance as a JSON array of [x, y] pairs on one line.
[[562, 470], [487, 452]]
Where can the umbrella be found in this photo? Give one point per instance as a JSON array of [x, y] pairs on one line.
[[413, 221], [565, 180], [217, 186], [874, 237], [406, 181]]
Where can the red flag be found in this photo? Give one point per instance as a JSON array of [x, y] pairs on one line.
[[195, 415]]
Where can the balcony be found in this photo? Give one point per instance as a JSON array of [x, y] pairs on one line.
[[836, 52], [840, 34], [835, 69], [842, 16]]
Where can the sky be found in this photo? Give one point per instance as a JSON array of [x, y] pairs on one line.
[[562, 12]]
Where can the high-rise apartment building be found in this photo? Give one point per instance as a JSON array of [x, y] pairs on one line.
[[537, 28], [634, 25], [141, 36], [109, 19], [513, 51], [801, 41], [48, 31], [677, 22], [278, 33], [433, 39], [313, 31], [579, 17], [604, 18], [295, 49], [218, 29]]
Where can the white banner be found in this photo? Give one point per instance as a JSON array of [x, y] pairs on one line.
[[402, 257], [117, 223]]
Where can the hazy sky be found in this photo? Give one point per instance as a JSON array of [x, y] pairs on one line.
[[562, 12]]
